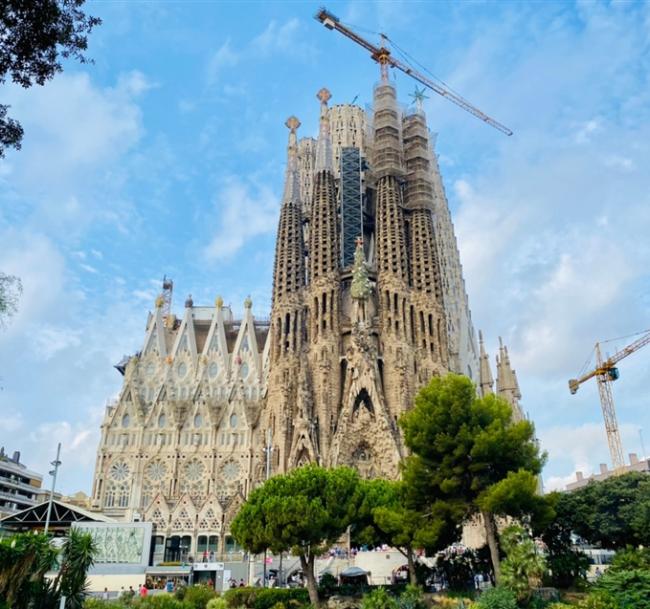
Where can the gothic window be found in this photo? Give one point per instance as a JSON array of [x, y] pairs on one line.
[[109, 498], [244, 344], [158, 519], [161, 420], [198, 421], [233, 420], [181, 370], [213, 370], [243, 371], [125, 420], [119, 471]]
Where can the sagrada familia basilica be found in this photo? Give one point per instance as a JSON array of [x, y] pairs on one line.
[[369, 303]]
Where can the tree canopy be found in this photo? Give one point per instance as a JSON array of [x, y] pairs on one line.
[[35, 35], [613, 513], [304, 511], [469, 453]]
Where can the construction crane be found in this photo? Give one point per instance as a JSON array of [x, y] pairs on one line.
[[607, 372], [382, 55]]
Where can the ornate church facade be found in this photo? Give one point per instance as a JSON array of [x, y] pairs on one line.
[[368, 304]]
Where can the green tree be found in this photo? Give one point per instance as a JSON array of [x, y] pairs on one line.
[[614, 512], [470, 454], [304, 511], [567, 566], [524, 565], [24, 560], [387, 516], [35, 37]]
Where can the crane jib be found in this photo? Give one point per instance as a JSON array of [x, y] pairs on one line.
[[382, 56]]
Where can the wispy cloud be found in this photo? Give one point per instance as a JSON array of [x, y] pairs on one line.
[[245, 210], [223, 57]]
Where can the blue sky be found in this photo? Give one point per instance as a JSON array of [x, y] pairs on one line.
[[166, 156]]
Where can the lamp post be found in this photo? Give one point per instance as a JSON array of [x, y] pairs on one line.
[[53, 473]]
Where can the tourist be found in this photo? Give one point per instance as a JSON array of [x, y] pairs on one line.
[[169, 586], [241, 583], [131, 592], [105, 594], [143, 591]]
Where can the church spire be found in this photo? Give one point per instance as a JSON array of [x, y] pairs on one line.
[[486, 381], [292, 178], [324, 144], [289, 271], [507, 385]]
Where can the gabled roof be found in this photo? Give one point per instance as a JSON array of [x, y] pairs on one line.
[[62, 515]]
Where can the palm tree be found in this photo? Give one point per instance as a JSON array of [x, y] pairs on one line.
[[77, 556]]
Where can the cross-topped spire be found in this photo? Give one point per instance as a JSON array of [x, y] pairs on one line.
[[292, 183], [324, 146]]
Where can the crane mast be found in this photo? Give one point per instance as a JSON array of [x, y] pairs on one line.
[[382, 55], [606, 372]]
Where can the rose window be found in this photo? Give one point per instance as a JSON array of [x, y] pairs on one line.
[[231, 471], [119, 471], [194, 470], [156, 471]]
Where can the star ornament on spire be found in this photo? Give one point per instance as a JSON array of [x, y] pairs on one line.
[[419, 97]]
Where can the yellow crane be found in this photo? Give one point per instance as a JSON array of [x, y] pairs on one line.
[[382, 55], [606, 372]]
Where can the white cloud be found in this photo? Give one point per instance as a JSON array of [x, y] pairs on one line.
[[282, 38], [223, 57], [245, 211]]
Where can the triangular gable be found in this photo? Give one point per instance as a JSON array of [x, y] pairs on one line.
[[245, 356], [155, 339], [210, 515], [186, 338]]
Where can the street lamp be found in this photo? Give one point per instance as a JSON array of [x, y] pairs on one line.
[[53, 473]]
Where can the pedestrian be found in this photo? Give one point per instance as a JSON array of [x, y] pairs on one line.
[[241, 583], [105, 594], [131, 592], [169, 586], [143, 591]]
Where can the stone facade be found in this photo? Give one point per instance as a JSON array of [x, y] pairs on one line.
[[360, 320]]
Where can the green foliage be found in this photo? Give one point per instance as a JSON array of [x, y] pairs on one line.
[[458, 568], [567, 567], [32, 44], [160, 601], [411, 598], [630, 589], [327, 585], [265, 598], [24, 560], [217, 603], [599, 600], [304, 511], [630, 559], [559, 606], [77, 556], [497, 598], [379, 599], [614, 512], [199, 596], [468, 455], [524, 565], [92, 602]]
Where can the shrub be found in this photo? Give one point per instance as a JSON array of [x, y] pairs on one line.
[[199, 596], [92, 602], [497, 598], [411, 598], [379, 599], [327, 585], [630, 589], [599, 600], [265, 598], [630, 559], [160, 601], [559, 606], [217, 603]]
